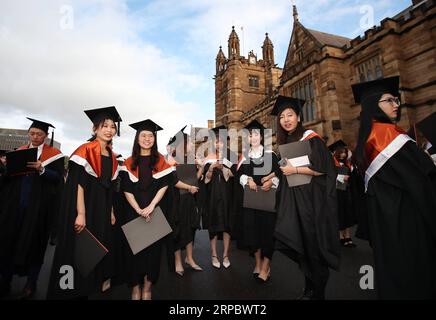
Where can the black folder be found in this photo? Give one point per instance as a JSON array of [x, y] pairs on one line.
[[260, 200], [17, 161], [140, 234], [187, 173], [88, 252], [297, 152], [342, 171]]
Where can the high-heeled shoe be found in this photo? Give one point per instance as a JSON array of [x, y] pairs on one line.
[[194, 266], [215, 262], [268, 277], [226, 262], [255, 273], [180, 272], [106, 285]]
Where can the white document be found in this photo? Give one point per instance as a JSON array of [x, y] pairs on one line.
[[300, 161], [341, 178]]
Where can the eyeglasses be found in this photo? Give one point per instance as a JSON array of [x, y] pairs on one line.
[[392, 101]]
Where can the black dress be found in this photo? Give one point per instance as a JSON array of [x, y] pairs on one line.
[[307, 221], [346, 216], [148, 261], [258, 225], [216, 216], [99, 200], [28, 209], [188, 218], [401, 198]]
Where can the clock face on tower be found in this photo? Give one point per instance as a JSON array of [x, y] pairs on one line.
[[252, 60]]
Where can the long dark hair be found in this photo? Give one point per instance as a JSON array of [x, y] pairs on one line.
[[136, 152], [99, 122], [370, 111]]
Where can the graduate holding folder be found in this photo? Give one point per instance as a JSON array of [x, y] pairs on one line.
[[217, 216], [144, 181], [346, 216], [181, 198], [257, 173], [87, 201], [307, 226], [28, 210]]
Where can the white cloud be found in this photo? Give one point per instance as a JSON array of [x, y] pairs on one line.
[[54, 74], [114, 56]]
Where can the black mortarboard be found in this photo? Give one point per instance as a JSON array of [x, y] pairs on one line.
[[3, 152], [428, 128], [217, 129], [363, 90], [95, 115], [173, 139], [283, 103], [338, 144], [147, 125], [42, 126], [254, 125]]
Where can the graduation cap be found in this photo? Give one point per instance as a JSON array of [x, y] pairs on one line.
[[361, 91], [147, 125], [44, 126], [254, 125], [173, 139], [336, 145], [428, 128], [95, 115], [3, 152], [217, 129], [283, 103]]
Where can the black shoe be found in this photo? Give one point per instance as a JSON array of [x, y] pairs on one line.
[[307, 295], [268, 277]]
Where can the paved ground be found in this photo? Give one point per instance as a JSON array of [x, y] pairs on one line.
[[237, 282]]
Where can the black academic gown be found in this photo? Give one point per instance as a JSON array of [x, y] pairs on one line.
[[2, 175], [307, 221], [217, 216], [257, 225], [148, 261], [28, 212], [236, 194], [401, 199], [187, 219], [346, 217], [99, 193], [358, 203]]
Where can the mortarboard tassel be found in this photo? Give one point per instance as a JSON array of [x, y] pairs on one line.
[[119, 128], [52, 139]]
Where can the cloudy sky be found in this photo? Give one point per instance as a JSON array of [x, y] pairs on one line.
[[151, 59]]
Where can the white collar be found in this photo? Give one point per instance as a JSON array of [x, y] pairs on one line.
[[256, 154], [39, 150]]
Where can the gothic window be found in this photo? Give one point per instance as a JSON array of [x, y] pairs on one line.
[[304, 90], [253, 81], [370, 69]]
